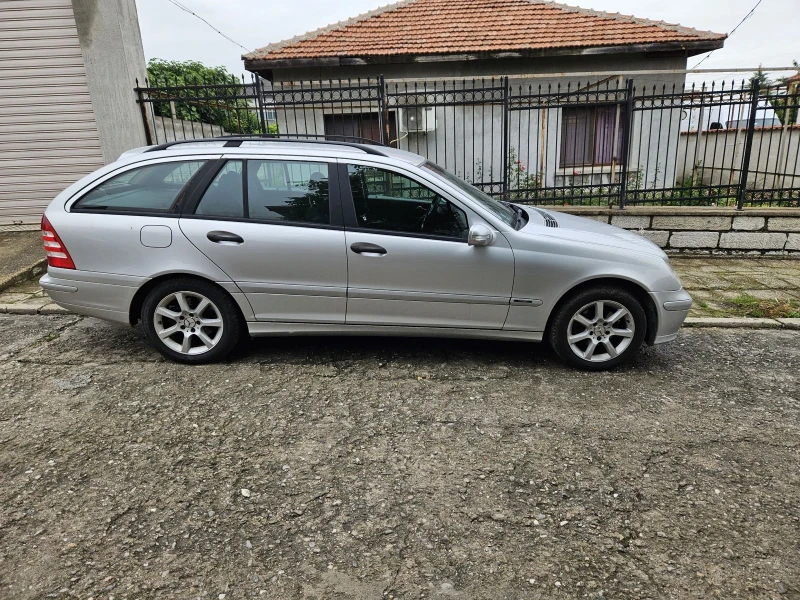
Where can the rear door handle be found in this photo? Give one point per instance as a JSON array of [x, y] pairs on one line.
[[221, 237], [367, 248]]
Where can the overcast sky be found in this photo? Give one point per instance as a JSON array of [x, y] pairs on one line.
[[770, 37]]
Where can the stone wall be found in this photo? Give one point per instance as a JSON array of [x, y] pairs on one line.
[[772, 231]]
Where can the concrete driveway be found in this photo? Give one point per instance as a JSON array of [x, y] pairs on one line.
[[377, 468]]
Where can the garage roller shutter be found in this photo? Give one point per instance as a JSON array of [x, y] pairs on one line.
[[48, 133]]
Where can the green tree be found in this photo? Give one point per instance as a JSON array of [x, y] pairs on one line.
[[778, 98], [761, 76], [203, 94]]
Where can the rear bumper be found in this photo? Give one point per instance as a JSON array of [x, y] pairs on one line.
[[672, 309], [103, 295]]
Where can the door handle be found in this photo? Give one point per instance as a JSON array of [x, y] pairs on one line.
[[221, 237], [367, 248]]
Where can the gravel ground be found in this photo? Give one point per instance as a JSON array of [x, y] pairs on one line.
[[374, 468]]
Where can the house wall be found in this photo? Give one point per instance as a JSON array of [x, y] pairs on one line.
[[468, 139], [113, 56], [457, 69]]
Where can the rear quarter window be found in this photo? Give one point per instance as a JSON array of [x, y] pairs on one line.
[[149, 188]]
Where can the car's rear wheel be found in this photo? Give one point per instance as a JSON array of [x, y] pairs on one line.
[[191, 321], [598, 328]]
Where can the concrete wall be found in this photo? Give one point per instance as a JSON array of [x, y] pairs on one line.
[[712, 157], [170, 130], [772, 231], [113, 56]]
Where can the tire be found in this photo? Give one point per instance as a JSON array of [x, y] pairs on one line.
[[210, 333], [582, 340]]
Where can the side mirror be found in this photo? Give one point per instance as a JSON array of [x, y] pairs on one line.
[[480, 235]]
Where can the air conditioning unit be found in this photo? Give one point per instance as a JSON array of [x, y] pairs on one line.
[[417, 119]]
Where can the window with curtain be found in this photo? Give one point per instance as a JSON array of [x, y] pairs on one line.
[[587, 135]]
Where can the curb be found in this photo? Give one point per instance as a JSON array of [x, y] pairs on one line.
[[27, 309], [37, 268], [741, 323]]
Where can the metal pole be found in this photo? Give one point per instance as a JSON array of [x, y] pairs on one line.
[[260, 103], [383, 111], [748, 144], [148, 137], [626, 143], [506, 125]]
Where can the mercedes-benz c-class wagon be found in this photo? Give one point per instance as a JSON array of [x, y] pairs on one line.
[[204, 242]]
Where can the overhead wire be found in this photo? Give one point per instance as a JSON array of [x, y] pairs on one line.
[[191, 12], [747, 16]]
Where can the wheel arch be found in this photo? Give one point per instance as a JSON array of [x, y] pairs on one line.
[[135, 309], [639, 292]]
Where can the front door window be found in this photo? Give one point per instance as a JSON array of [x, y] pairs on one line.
[[387, 201]]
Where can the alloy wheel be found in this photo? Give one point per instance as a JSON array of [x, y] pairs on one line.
[[188, 323], [600, 331]]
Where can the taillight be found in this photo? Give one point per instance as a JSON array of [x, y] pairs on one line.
[[57, 255]]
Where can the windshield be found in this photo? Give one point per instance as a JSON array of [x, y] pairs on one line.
[[501, 211]]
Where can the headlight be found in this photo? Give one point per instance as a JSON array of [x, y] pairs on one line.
[[672, 270]]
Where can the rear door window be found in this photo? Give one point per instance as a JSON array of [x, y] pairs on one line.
[[225, 196], [279, 190], [151, 188]]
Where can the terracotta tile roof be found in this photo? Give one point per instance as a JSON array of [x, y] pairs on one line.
[[429, 27]]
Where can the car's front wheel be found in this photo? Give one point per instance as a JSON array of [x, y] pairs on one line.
[[191, 321], [598, 328]]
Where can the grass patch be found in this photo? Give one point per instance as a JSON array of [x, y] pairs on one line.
[[746, 305]]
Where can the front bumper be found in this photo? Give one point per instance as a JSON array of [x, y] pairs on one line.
[[672, 309]]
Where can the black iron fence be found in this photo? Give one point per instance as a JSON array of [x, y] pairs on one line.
[[605, 143]]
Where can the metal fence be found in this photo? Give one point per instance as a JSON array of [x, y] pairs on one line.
[[605, 143]]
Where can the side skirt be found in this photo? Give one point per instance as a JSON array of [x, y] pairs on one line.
[[263, 328]]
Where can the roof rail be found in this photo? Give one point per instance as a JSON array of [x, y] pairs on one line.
[[234, 141]]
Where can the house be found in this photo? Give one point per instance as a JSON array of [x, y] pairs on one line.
[[66, 106], [434, 54]]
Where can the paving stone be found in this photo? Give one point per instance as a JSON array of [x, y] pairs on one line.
[[694, 239], [13, 298], [793, 243], [749, 223], [753, 241], [784, 224], [773, 283], [763, 294], [34, 303], [692, 223], [740, 281]]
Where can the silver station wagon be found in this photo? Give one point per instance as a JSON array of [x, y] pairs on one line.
[[206, 241]]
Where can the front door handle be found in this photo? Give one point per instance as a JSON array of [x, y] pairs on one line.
[[366, 248], [221, 237]]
